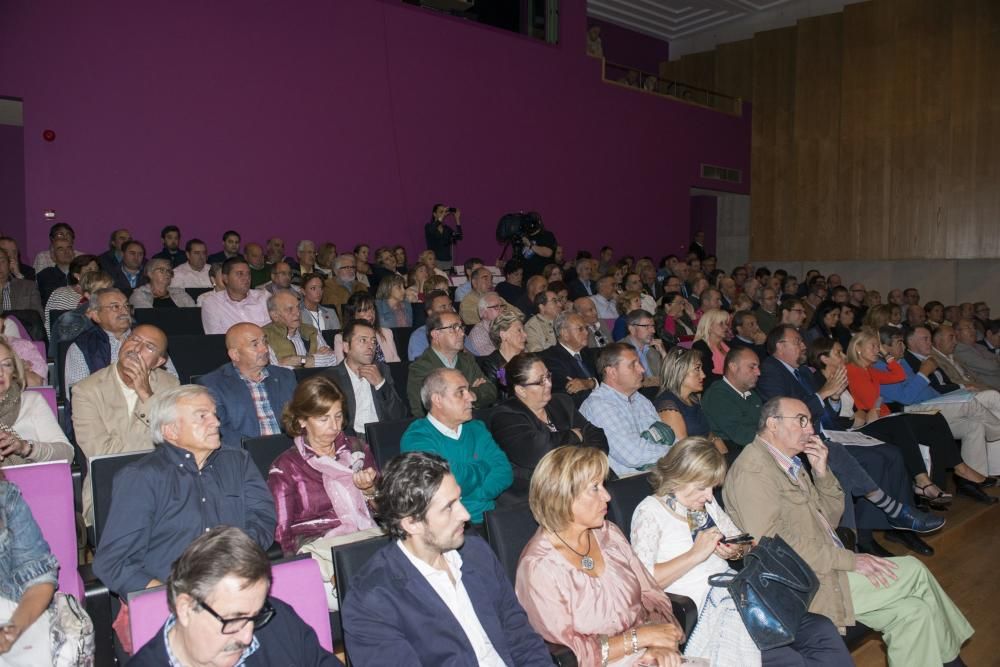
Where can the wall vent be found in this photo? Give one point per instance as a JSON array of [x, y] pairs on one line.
[[712, 172]]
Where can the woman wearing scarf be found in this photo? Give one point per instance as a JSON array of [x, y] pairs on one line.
[[324, 484]]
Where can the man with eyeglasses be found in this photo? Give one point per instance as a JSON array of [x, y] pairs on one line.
[[793, 313], [478, 341], [339, 287], [769, 492], [221, 611], [642, 336], [447, 350], [482, 283], [47, 258], [571, 362], [110, 409], [186, 486], [237, 303], [539, 330]]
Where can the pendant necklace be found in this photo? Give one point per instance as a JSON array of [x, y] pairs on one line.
[[586, 562]]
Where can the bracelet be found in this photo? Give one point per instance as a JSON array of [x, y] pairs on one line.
[[635, 641], [31, 449], [605, 649]]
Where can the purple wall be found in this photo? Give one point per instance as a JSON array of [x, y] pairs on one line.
[[12, 182], [630, 48], [342, 121]]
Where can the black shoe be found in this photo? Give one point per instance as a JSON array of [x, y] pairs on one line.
[[989, 483], [910, 541], [875, 549], [964, 487]]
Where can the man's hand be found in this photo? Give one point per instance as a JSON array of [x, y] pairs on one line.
[[835, 384], [458, 216], [478, 382], [574, 385], [928, 366], [878, 570], [657, 345], [371, 373], [324, 350], [137, 375], [816, 452]]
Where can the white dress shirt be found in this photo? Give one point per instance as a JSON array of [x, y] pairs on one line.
[[185, 276], [364, 402]]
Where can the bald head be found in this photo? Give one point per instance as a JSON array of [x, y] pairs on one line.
[[247, 347]]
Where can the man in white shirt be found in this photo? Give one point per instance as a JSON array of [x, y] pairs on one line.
[[433, 573], [237, 303], [605, 300], [194, 272]]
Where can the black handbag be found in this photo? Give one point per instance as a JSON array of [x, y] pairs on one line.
[[772, 592]]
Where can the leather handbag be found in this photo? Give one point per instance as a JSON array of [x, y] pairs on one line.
[[772, 593]]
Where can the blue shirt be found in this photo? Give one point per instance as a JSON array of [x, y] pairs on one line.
[[418, 343], [624, 418]]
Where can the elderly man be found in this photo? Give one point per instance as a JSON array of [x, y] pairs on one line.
[[111, 407], [237, 303], [583, 285], [221, 612], [768, 492], [636, 436], [17, 293], [535, 286], [98, 347], [482, 282], [915, 315], [478, 342], [746, 332], [276, 250], [642, 336], [305, 253], [129, 274], [281, 278], [727, 287], [339, 287], [433, 571], [607, 310], [597, 333], [18, 269], [479, 465], [538, 329], [447, 350], [56, 274], [249, 393], [710, 299], [975, 359], [470, 267], [185, 487], [194, 272], [369, 392], [896, 297], [437, 301], [260, 271], [230, 248], [171, 238], [293, 344], [570, 361]]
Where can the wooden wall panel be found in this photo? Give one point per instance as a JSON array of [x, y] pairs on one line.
[[734, 69]]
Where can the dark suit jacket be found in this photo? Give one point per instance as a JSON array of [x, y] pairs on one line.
[[392, 616], [525, 439], [563, 367], [24, 295], [577, 288], [389, 406], [121, 282], [234, 406], [49, 280], [939, 379], [776, 380], [759, 349]]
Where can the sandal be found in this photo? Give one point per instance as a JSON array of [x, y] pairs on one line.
[[940, 501]]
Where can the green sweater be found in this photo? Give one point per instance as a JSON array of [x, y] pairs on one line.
[[480, 467], [730, 416], [486, 393]]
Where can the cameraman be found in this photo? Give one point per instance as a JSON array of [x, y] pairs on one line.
[[440, 237], [538, 247]]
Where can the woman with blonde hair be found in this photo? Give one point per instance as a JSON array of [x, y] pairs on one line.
[[579, 580], [415, 283], [710, 343], [878, 316], [683, 537]]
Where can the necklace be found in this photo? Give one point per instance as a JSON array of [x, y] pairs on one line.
[[586, 562]]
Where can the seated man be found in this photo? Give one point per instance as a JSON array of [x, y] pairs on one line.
[[18, 293], [479, 465], [768, 492], [237, 303], [292, 343], [597, 333], [188, 485], [260, 270], [432, 574], [129, 274], [367, 385], [747, 333], [478, 342], [436, 301], [511, 288], [447, 350], [539, 328], [339, 287], [470, 266], [642, 336], [220, 610], [570, 361], [976, 360], [193, 272], [171, 237], [230, 248], [636, 436], [482, 282], [281, 279], [249, 393], [111, 407]]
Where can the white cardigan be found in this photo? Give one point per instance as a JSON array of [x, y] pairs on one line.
[[36, 422]]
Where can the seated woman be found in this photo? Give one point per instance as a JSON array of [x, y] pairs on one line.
[[323, 318], [848, 325], [579, 580], [824, 323], [508, 336], [626, 302], [552, 273], [322, 485], [157, 293], [28, 581], [710, 343], [677, 534], [534, 421], [878, 316], [679, 401], [678, 318], [415, 283], [390, 298], [361, 306], [29, 432]]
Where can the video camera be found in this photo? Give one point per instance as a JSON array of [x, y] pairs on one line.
[[512, 227]]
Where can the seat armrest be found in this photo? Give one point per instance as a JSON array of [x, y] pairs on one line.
[[685, 611], [561, 655], [97, 601]]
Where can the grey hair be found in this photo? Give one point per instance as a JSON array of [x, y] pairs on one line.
[[303, 243], [163, 409], [94, 304], [562, 321], [341, 258], [154, 263], [505, 320], [770, 410], [272, 300], [634, 316], [435, 384], [482, 306]]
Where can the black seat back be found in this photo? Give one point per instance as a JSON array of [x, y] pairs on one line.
[[172, 321], [400, 371], [101, 478], [196, 355], [401, 337], [195, 292], [626, 493], [265, 449], [384, 437], [347, 560], [508, 530], [330, 335], [303, 373]]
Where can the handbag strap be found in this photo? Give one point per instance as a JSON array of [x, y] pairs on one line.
[[721, 580]]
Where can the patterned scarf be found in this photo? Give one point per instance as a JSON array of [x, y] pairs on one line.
[[338, 482], [698, 520]]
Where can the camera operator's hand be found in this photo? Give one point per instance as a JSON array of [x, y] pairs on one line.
[[458, 216]]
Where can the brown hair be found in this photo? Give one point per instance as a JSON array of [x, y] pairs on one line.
[[313, 397]]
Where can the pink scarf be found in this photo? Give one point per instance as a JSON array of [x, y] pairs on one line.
[[338, 482]]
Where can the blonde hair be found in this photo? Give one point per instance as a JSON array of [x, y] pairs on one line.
[[676, 365], [20, 377], [625, 298], [878, 316], [864, 336], [691, 460], [559, 478], [707, 321]]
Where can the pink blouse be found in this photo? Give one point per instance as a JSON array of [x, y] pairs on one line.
[[569, 607], [719, 358]]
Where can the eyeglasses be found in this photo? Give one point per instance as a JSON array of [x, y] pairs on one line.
[[803, 420], [454, 328], [347, 267], [118, 307], [165, 270], [545, 379], [643, 326], [230, 626], [499, 305]]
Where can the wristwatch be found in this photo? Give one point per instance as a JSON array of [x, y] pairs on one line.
[[302, 360]]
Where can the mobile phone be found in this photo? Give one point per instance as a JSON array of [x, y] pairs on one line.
[[452, 209], [742, 538]]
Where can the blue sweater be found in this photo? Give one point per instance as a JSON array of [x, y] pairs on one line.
[[914, 389], [480, 467]]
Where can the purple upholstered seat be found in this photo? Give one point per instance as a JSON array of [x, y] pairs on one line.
[[50, 397]]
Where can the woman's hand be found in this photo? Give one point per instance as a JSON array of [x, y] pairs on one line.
[[9, 634], [660, 657], [660, 635], [365, 479], [705, 544], [730, 551], [11, 445]]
